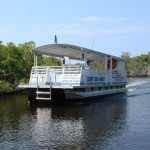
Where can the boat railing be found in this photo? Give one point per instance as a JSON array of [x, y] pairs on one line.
[[63, 70], [56, 69], [42, 73]]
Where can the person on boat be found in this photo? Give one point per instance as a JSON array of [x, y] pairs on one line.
[[64, 61], [88, 62]]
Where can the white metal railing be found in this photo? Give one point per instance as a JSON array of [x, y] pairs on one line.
[[42, 70], [40, 75], [57, 69]]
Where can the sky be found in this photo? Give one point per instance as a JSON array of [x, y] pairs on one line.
[[108, 26]]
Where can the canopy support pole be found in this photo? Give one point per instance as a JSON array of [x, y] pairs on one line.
[[106, 59], [35, 60]]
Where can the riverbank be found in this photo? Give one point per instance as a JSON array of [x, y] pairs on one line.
[[143, 72]]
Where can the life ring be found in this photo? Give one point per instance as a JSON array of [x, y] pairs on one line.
[[114, 63]]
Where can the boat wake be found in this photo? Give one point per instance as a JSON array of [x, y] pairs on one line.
[[132, 86], [136, 83], [141, 94], [131, 89]]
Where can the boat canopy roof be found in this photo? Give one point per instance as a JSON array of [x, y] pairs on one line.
[[71, 51]]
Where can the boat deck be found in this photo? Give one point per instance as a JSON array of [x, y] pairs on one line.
[[68, 86]]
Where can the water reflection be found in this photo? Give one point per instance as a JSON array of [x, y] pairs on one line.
[[78, 126], [12, 110]]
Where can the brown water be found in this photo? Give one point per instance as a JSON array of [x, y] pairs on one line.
[[118, 122]]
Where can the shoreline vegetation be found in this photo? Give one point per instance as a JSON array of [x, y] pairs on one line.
[[16, 62]]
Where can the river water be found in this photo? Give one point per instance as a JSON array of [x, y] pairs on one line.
[[119, 122]]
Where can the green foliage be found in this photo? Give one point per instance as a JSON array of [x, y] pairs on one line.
[[136, 66], [98, 65], [15, 62], [5, 87], [48, 61]]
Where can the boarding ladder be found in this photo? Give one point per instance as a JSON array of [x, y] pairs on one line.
[[43, 95]]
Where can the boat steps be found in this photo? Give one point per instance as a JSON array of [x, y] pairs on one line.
[[43, 98], [41, 92]]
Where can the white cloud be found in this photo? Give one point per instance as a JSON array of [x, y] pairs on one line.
[[101, 19]]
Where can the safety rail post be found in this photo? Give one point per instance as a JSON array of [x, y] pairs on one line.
[[85, 81], [106, 71], [50, 84], [110, 69], [37, 81]]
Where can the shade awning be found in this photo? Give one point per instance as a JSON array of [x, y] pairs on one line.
[[71, 51]]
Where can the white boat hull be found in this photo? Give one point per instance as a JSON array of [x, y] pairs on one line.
[[72, 94], [90, 94]]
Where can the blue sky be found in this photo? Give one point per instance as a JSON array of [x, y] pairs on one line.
[[115, 26]]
